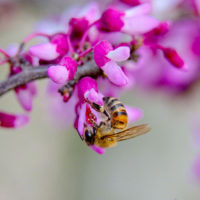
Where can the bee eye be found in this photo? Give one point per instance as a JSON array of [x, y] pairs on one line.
[[89, 137]]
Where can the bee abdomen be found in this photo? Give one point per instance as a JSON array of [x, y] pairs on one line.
[[109, 100], [119, 117]]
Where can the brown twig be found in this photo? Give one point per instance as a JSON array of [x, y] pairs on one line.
[[40, 72]]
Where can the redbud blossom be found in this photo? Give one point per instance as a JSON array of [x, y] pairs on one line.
[[58, 74], [12, 121], [85, 85], [97, 149], [78, 27], [87, 90], [25, 95], [157, 33], [196, 5], [134, 2], [91, 54], [106, 58], [172, 56], [90, 12], [132, 21], [64, 71], [58, 46]]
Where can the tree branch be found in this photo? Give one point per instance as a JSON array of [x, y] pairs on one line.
[[35, 73]]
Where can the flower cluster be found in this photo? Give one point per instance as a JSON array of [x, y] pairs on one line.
[[117, 47], [184, 36]]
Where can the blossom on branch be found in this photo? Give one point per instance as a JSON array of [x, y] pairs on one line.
[[64, 71], [100, 51], [8, 120]]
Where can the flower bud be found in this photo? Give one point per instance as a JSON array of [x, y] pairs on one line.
[[173, 57], [105, 58], [58, 46], [12, 121]]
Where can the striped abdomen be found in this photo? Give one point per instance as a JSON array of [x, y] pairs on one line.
[[117, 111]]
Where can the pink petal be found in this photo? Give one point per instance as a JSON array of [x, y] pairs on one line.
[[91, 12], [173, 57], [84, 85], [81, 119], [134, 114], [119, 54], [94, 96], [111, 19], [61, 42], [100, 51], [32, 88], [21, 120], [71, 66], [25, 98], [58, 74], [78, 27], [131, 2], [115, 73], [161, 29], [135, 2], [142, 9], [140, 24], [197, 5], [25, 95], [45, 51], [12, 121], [97, 149]]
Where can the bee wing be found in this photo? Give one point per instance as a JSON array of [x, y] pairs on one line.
[[130, 132]]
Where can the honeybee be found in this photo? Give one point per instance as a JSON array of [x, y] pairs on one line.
[[104, 135]]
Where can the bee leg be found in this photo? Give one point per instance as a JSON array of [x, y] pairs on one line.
[[99, 108], [94, 124], [102, 123]]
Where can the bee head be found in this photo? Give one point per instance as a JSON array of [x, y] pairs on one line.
[[90, 136]]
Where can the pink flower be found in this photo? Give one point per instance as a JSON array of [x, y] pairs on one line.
[[93, 96], [25, 95], [12, 121], [97, 149], [154, 36], [106, 58], [132, 21], [58, 46], [196, 5], [85, 85], [58, 73], [125, 43], [172, 56], [170, 71], [134, 2], [87, 90], [78, 27], [64, 71], [91, 12]]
